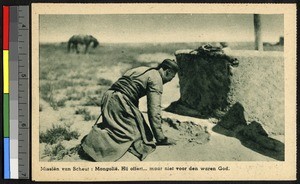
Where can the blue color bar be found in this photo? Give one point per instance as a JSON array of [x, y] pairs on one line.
[[6, 159]]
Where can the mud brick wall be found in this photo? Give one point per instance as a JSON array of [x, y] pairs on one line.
[[204, 81], [209, 84]]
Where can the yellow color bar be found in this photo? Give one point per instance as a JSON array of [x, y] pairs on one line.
[[5, 71]]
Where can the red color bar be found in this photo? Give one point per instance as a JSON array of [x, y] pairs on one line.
[[5, 27]]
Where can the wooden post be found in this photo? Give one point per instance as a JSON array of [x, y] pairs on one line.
[[257, 29]]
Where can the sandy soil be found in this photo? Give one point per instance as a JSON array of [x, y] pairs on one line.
[[66, 77], [218, 148]]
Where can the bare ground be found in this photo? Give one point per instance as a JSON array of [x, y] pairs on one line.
[[218, 148], [75, 78]]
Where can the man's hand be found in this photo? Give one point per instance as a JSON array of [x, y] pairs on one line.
[[166, 141]]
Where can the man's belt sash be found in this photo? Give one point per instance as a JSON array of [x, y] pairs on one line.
[[126, 86]]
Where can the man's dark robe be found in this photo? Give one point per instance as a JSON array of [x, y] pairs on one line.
[[123, 127]]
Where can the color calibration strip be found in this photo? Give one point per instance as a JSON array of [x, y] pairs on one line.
[[6, 130], [16, 91], [13, 90]]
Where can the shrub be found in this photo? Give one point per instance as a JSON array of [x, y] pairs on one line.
[[92, 102], [81, 111], [44, 75], [88, 117], [63, 84], [104, 82], [61, 102], [55, 152], [100, 91], [57, 133], [73, 94], [46, 92], [86, 114]]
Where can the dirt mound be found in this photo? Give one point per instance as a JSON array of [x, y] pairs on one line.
[[251, 135], [189, 131]]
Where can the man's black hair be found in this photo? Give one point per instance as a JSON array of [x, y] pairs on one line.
[[168, 64]]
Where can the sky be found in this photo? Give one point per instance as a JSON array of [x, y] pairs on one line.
[[119, 28]]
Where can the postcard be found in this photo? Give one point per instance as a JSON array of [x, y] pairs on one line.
[[154, 92]]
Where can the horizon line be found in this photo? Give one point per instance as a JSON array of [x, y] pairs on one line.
[[246, 41]]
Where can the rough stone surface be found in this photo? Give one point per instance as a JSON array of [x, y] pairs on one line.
[[204, 80], [209, 85]]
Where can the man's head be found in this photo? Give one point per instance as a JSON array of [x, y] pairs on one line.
[[168, 70]]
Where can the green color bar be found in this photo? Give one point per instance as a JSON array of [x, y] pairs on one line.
[[6, 114]]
